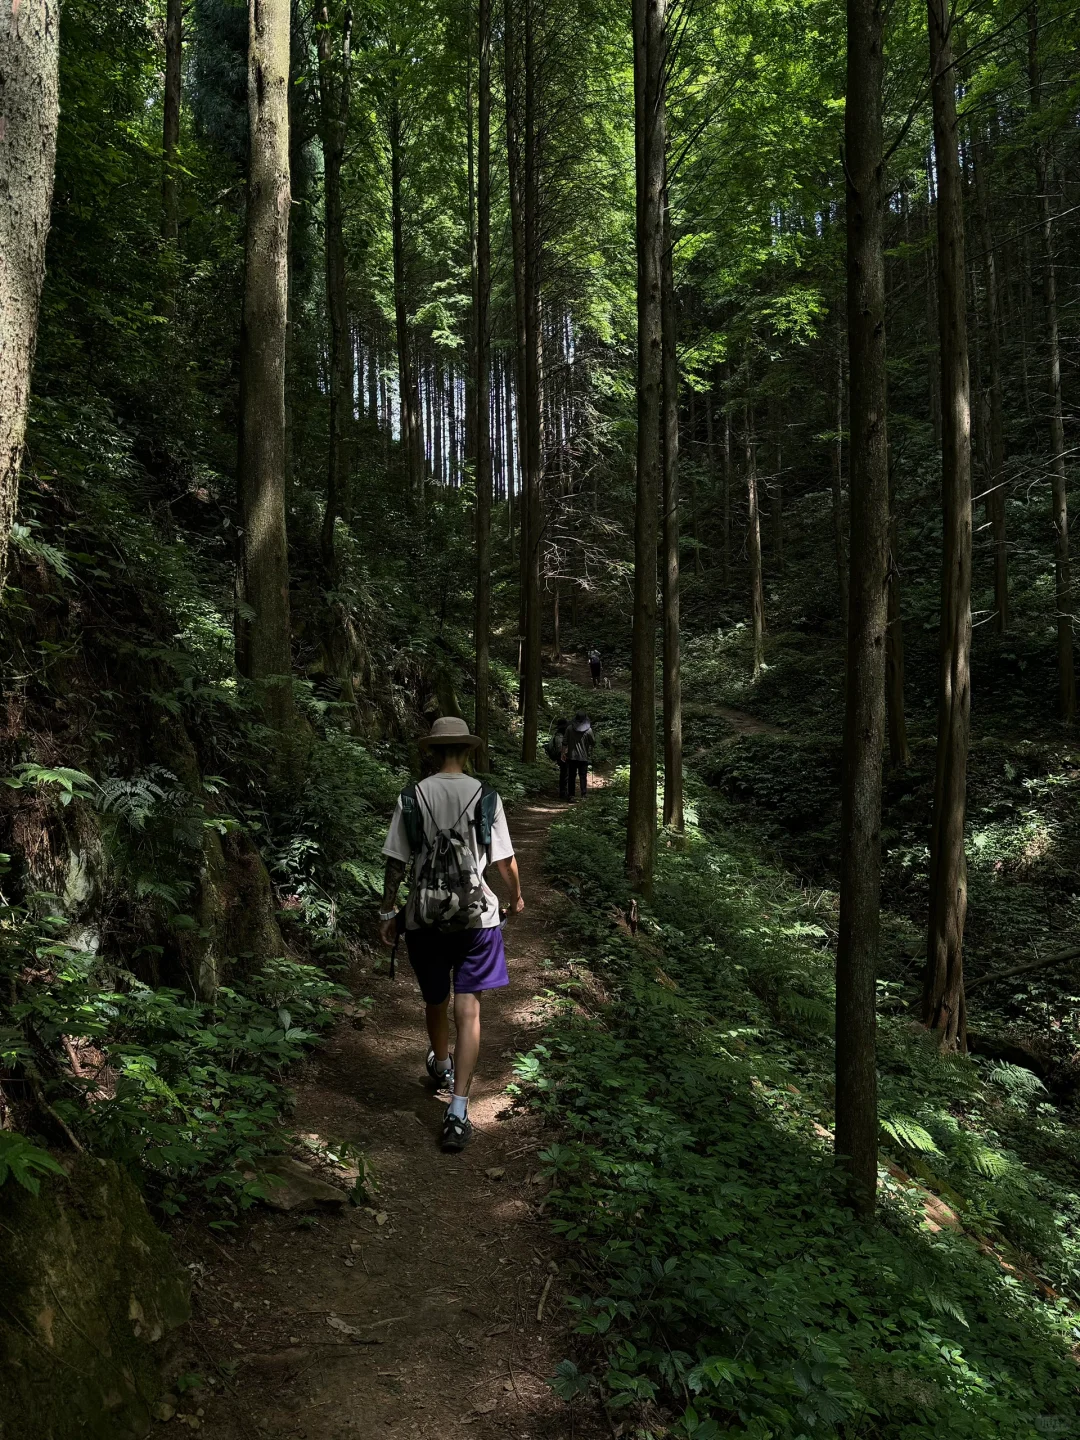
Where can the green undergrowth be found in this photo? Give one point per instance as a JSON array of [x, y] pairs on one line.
[[723, 1286], [186, 1093]]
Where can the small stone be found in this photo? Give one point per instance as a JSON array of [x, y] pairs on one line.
[[349, 1264], [163, 1410], [294, 1339], [495, 1172], [381, 1218]]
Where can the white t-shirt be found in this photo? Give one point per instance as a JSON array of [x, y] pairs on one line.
[[449, 802]]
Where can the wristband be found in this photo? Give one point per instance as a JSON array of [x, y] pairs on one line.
[[387, 915]]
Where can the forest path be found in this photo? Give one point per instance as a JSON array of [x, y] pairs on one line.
[[576, 668], [450, 1277]]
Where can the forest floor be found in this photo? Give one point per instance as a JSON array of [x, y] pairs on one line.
[[450, 1277]]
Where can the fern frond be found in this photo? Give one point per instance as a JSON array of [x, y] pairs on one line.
[[909, 1133]]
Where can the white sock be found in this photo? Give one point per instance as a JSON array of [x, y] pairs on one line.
[[459, 1107], [444, 1066]]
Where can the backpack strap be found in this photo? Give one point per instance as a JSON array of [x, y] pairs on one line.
[[487, 806], [412, 817]]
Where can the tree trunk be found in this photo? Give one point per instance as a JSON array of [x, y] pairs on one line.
[[373, 380], [470, 418], [943, 989], [334, 88], [264, 649], [170, 205], [839, 547], [509, 454], [933, 366], [995, 498], [776, 490], [753, 541], [512, 89], [673, 754], [727, 498], [650, 131], [29, 97], [408, 402], [483, 383], [894, 658], [1058, 499], [864, 709], [534, 452]]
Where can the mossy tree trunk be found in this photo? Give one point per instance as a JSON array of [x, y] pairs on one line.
[[29, 114], [650, 130], [864, 710], [943, 987]]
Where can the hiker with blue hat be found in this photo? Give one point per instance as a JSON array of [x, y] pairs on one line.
[[448, 828]]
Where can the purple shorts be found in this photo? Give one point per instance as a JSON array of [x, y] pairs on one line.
[[475, 959]]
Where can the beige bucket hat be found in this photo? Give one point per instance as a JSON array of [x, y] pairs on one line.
[[449, 730]]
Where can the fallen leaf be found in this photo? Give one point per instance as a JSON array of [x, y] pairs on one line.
[[381, 1218], [341, 1326], [486, 1408]]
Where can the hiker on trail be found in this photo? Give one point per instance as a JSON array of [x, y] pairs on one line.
[[450, 827], [577, 750], [554, 751], [596, 667]]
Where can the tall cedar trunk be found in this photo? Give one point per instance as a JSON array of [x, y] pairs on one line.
[[263, 648], [776, 490], [483, 382], [933, 367], [650, 127], [509, 454], [534, 451], [437, 423], [995, 499], [695, 442], [753, 545], [943, 988], [516, 187], [334, 87], [170, 137], [727, 497], [673, 760], [29, 113], [373, 381], [471, 397], [839, 548], [864, 708], [408, 401], [710, 450], [1058, 500], [894, 658]]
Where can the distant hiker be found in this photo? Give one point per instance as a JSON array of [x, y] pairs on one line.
[[450, 826], [554, 751], [577, 750], [596, 667]]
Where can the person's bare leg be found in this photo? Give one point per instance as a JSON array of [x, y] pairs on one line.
[[438, 1028], [467, 1047]]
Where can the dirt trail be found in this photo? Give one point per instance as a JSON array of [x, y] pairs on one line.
[[576, 668], [446, 1273]]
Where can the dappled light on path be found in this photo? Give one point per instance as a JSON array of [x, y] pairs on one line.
[[438, 1282]]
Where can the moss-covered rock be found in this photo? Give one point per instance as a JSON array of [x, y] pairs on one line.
[[89, 1287]]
